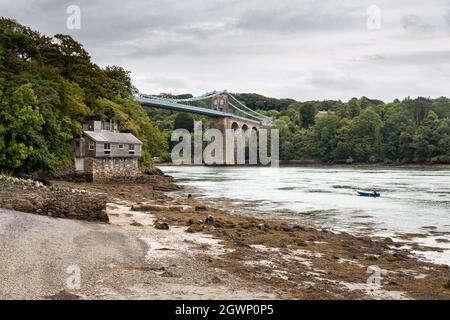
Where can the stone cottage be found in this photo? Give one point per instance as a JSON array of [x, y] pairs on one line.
[[104, 153]]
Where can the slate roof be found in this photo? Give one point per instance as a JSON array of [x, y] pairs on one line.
[[114, 137]]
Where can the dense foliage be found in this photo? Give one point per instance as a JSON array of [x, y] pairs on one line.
[[360, 130], [364, 130], [48, 88]]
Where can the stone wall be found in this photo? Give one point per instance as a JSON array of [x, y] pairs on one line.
[[104, 170], [108, 173], [115, 169]]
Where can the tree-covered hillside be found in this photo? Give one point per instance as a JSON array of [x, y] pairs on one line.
[[365, 130], [48, 88], [360, 130]]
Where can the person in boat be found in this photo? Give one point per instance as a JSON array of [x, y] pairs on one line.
[[375, 193]]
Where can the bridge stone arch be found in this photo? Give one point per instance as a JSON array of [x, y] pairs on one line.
[[245, 129], [224, 123], [235, 126]]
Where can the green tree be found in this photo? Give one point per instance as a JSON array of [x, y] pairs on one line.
[[308, 113], [21, 124], [325, 131], [184, 120], [365, 131], [119, 81]]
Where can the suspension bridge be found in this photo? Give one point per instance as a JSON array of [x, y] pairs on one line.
[[216, 104], [224, 110]]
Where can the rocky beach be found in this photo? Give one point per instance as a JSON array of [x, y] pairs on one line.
[[153, 240]]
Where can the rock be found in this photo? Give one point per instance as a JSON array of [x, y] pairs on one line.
[[384, 255], [161, 225], [64, 295], [300, 243], [388, 240], [447, 285], [286, 228], [230, 225], [299, 227], [168, 274], [194, 228], [175, 208], [388, 257], [209, 220], [23, 205], [146, 207], [366, 240], [262, 226], [241, 242], [200, 208], [136, 224], [218, 224], [216, 280], [400, 255]]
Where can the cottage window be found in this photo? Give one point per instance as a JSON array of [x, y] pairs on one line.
[[131, 149], [91, 145], [77, 144], [107, 148], [120, 146]]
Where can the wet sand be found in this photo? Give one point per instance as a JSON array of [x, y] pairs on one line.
[[116, 261]]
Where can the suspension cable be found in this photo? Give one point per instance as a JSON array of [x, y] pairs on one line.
[[247, 113], [244, 106]]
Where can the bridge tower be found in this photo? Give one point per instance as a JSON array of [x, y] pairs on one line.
[[239, 127], [220, 103]]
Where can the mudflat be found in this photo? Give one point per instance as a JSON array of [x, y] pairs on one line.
[[166, 245]]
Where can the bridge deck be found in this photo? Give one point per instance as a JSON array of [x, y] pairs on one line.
[[169, 105]]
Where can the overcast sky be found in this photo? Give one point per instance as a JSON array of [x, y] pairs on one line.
[[302, 49]]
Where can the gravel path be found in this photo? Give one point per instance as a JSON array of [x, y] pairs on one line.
[[116, 261], [36, 252]]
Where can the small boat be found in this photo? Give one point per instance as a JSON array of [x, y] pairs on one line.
[[372, 194]]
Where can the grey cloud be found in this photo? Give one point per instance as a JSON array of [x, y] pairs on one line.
[[302, 16], [297, 48], [412, 22], [166, 82]]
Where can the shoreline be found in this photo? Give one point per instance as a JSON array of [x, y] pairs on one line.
[[195, 249], [307, 164]]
